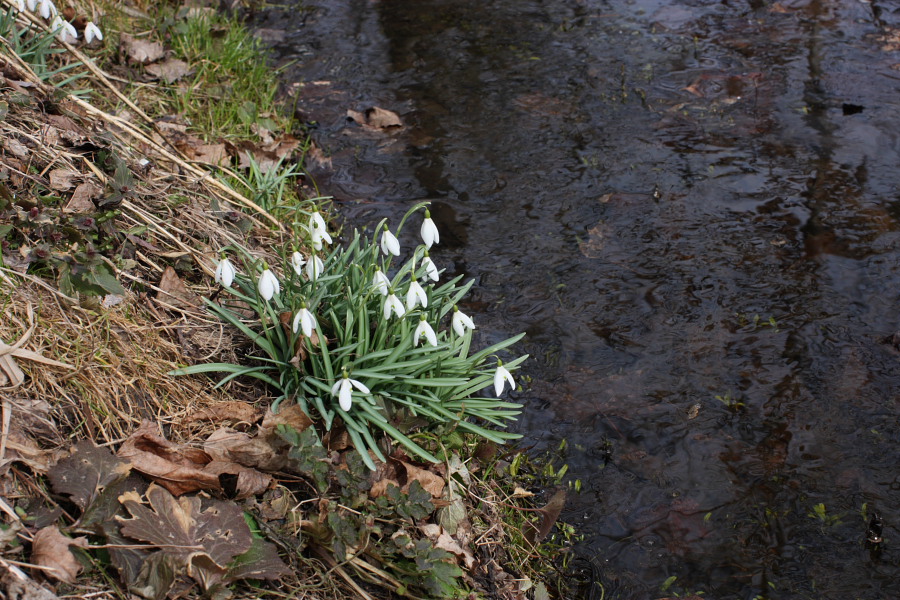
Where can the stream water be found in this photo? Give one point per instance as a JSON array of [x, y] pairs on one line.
[[692, 208]]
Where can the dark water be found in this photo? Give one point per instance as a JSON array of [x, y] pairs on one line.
[[678, 201]]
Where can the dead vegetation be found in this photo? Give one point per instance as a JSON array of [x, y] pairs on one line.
[[118, 480]]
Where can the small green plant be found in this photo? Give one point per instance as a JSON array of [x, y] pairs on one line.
[[35, 47], [820, 513], [733, 404], [335, 338]]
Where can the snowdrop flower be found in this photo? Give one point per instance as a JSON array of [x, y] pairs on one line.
[[305, 320], [297, 262], [31, 4], [48, 9], [20, 5], [343, 389], [501, 376], [225, 272], [431, 270], [416, 295], [268, 285], [316, 220], [314, 268], [424, 329], [381, 282], [64, 30], [461, 321], [429, 231], [392, 303], [389, 242], [91, 31], [318, 235]]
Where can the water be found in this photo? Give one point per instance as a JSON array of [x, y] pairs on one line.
[[692, 209]]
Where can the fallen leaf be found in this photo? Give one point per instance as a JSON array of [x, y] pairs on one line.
[[229, 445], [50, 549], [292, 416], [431, 483], [217, 534], [85, 474], [23, 449], [213, 154], [82, 199], [261, 561], [549, 515], [231, 411], [521, 493], [141, 52], [169, 70], [62, 179], [238, 481], [173, 290], [177, 468], [379, 488], [376, 118], [15, 147], [443, 540]]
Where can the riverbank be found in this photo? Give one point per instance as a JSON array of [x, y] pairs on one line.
[[132, 165]]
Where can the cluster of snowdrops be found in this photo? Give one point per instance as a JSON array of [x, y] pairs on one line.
[[64, 30], [347, 333]]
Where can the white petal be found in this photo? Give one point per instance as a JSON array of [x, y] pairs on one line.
[[501, 376], [417, 334], [297, 262], [91, 31], [308, 322], [225, 272], [430, 335], [389, 243], [334, 388], [360, 386], [31, 4], [268, 285], [391, 303], [381, 282], [316, 221], [314, 268], [431, 270], [47, 9], [346, 396], [20, 5], [430, 233]]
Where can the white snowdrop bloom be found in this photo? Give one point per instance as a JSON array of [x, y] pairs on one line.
[[429, 231], [381, 282], [31, 4], [416, 295], [19, 5], [393, 304], [389, 243], [91, 31], [225, 272], [343, 389], [47, 9], [318, 236], [297, 262], [314, 268], [317, 221], [305, 320], [501, 377], [268, 285], [431, 270], [461, 321], [424, 329]]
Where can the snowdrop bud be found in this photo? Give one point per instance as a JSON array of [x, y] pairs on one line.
[[91, 31], [381, 282], [389, 243], [429, 231], [268, 285], [225, 272], [48, 9]]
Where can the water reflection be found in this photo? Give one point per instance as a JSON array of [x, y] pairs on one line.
[[692, 211]]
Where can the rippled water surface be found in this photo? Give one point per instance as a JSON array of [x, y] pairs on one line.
[[687, 205]]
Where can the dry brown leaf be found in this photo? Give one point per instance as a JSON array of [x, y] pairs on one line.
[[214, 154], [376, 118], [443, 540], [22, 449], [521, 493], [230, 411], [431, 483], [16, 148], [379, 488], [179, 469], [141, 52], [229, 445], [82, 198], [50, 549], [175, 290], [62, 179], [247, 482], [292, 416], [169, 70]]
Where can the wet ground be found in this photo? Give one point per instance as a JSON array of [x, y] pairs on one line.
[[692, 208]]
